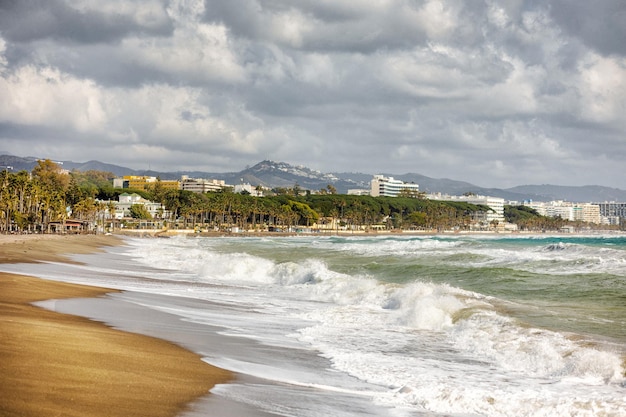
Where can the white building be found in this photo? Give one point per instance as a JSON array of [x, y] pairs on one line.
[[494, 203], [359, 191], [126, 201], [248, 188], [589, 213], [382, 186], [198, 185], [584, 212]]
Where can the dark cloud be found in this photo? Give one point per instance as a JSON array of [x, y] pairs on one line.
[[328, 26], [478, 90], [599, 24], [31, 20]]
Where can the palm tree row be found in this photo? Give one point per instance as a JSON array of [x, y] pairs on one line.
[[220, 209], [33, 201]]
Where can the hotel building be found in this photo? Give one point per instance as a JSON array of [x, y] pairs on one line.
[[584, 212], [136, 182], [198, 185], [382, 186], [494, 203]]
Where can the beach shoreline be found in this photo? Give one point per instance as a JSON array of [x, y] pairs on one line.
[[58, 364], [191, 233]]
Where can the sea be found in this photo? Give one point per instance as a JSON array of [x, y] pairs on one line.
[[394, 325]]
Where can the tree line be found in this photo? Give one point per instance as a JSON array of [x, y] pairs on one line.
[[33, 201], [293, 210]]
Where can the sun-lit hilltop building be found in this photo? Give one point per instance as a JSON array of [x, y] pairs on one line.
[[196, 185], [137, 182], [382, 186]]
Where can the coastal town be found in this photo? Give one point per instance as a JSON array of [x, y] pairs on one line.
[[50, 199]]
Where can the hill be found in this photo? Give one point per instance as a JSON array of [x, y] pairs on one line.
[[280, 174]]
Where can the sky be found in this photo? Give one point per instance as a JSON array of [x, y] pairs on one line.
[[496, 93]]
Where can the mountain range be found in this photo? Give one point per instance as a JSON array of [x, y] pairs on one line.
[[280, 174]]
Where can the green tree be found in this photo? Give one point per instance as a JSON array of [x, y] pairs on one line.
[[158, 191], [139, 211], [417, 219], [53, 183], [50, 176]]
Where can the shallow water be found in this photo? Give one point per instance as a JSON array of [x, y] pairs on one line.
[[382, 326]]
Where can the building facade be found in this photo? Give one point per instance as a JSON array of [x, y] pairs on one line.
[[136, 182], [198, 185], [248, 189], [496, 204], [382, 186], [612, 209], [583, 212], [613, 213], [126, 201]]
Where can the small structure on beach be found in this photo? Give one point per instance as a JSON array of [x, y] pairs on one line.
[[69, 226]]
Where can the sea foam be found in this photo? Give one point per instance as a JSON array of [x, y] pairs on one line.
[[432, 346]]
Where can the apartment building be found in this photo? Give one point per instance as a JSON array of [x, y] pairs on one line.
[[198, 185], [382, 186], [584, 212], [249, 189], [494, 203], [613, 213], [612, 209], [588, 213], [137, 182], [126, 201]]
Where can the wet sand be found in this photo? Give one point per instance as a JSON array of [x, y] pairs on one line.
[[54, 364]]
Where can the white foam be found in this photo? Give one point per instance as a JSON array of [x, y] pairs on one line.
[[425, 306], [432, 346]]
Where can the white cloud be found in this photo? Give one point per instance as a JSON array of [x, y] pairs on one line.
[[45, 96], [438, 18], [196, 52], [603, 89], [3, 59]]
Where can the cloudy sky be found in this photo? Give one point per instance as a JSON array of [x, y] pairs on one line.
[[497, 93]]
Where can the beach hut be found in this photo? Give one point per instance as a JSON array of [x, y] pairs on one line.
[[69, 226]]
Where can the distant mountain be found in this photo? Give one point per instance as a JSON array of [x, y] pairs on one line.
[[280, 174], [17, 163], [98, 166]]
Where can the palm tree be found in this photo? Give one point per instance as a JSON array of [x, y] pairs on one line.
[[110, 206]]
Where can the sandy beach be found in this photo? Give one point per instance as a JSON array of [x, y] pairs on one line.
[[60, 365]]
